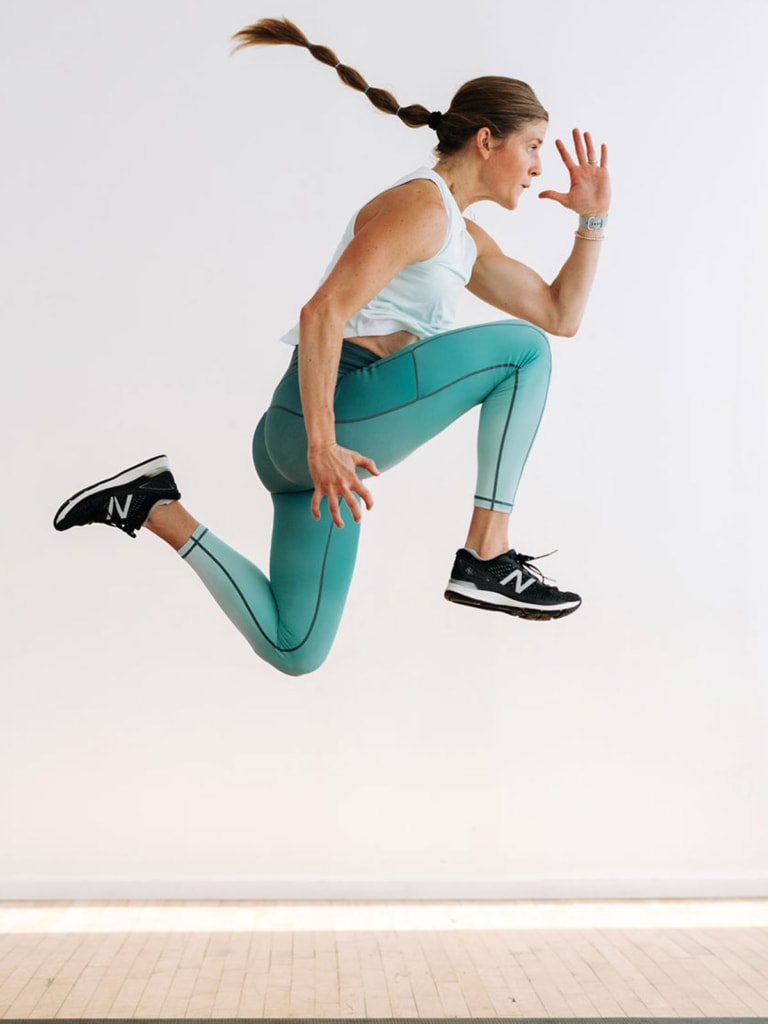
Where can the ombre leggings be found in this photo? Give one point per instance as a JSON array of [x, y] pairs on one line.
[[385, 408]]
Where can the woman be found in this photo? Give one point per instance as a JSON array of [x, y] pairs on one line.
[[377, 369]]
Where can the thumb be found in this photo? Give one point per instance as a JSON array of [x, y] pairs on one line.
[[559, 197]]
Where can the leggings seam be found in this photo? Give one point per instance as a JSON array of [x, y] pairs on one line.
[[416, 375], [280, 650], [437, 391], [504, 435], [538, 424], [493, 501], [410, 349], [195, 542], [413, 401]]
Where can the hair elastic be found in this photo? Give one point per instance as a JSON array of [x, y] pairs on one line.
[[434, 120]]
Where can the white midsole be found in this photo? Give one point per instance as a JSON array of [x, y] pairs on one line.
[[501, 600], [149, 468]]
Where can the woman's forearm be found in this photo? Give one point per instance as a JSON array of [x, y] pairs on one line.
[[321, 336], [572, 286]]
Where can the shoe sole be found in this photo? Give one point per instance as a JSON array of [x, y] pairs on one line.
[[150, 467], [498, 603]]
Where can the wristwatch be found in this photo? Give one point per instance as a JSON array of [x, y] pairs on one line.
[[593, 223]]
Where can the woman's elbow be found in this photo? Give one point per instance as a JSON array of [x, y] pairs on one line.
[[564, 324], [558, 326], [309, 316], [567, 329], [319, 313]]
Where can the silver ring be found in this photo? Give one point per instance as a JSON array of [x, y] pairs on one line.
[[592, 161]]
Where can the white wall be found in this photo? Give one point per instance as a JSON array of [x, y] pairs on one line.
[[164, 211]]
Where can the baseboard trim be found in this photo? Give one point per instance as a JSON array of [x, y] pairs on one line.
[[309, 889]]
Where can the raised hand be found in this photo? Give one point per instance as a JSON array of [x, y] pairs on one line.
[[333, 472], [590, 191]]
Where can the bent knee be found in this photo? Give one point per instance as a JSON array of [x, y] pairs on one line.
[[300, 663], [535, 335], [531, 344]]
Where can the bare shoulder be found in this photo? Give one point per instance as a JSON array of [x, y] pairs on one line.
[[416, 203], [483, 241]]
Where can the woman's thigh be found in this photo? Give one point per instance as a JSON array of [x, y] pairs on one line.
[[390, 408], [387, 409]]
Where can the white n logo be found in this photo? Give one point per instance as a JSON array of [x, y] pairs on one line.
[[517, 576], [114, 504]]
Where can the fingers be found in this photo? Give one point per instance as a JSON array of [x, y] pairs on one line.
[[367, 497], [578, 145], [352, 503], [591, 158], [591, 152], [354, 506], [584, 148], [333, 508], [363, 462], [565, 156], [347, 494], [336, 480], [589, 180], [316, 499]]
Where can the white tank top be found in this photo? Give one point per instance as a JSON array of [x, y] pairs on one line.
[[424, 296]]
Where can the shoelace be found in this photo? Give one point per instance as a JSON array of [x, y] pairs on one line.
[[526, 561], [120, 526]]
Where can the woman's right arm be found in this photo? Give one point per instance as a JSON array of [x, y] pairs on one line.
[[332, 467], [399, 227]]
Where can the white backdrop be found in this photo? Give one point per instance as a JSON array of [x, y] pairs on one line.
[[165, 209]]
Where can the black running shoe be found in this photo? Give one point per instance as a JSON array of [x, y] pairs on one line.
[[124, 500], [507, 584]]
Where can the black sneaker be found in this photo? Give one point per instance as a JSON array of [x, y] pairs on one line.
[[507, 584], [124, 500]]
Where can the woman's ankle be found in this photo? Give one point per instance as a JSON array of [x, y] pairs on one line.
[[172, 523], [488, 533]]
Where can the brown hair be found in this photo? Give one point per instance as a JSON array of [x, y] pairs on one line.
[[502, 104]]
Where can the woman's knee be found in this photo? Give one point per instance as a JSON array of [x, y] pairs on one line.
[[529, 344], [302, 660], [301, 663]]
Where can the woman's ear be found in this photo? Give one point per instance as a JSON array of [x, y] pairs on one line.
[[484, 142]]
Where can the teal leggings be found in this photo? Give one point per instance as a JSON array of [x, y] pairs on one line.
[[385, 408]]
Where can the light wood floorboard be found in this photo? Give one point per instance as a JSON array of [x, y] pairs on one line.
[[641, 958]]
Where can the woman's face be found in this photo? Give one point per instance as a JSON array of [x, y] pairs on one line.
[[514, 162]]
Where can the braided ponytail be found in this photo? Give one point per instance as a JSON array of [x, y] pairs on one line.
[[277, 31], [504, 105]]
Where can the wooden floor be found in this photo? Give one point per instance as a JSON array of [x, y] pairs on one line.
[[643, 958]]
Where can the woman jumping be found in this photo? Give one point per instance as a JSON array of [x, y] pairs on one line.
[[378, 368]]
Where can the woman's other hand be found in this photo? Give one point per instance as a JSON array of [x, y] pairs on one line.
[[590, 191], [333, 473]]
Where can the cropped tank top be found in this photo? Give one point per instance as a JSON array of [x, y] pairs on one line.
[[424, 296]]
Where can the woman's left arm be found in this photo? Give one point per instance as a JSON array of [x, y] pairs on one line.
[[518, 290]]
